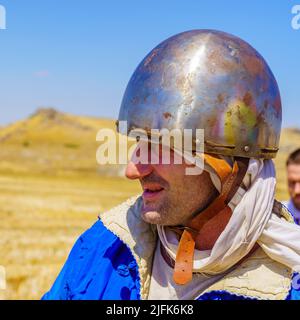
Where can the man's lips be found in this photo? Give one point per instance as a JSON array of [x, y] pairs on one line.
[[151, 192]]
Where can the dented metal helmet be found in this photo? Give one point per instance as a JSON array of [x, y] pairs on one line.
[[211, 80]]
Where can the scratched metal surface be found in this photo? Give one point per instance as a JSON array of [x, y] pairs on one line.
[[208, 80]]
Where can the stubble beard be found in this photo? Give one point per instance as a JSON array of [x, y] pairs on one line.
[[166, 213]]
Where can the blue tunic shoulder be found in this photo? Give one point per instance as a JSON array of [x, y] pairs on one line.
[[100, 267]]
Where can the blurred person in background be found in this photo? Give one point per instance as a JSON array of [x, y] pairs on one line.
[[293, 178]]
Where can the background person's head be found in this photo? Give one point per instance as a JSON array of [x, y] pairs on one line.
[[293, 176]]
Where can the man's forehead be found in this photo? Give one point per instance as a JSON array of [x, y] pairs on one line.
[[293, 171]]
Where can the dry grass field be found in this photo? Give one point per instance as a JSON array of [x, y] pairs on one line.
[[51, 190], [41, 217]]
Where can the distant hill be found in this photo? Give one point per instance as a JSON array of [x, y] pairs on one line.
[[52, 141], [50, 126]]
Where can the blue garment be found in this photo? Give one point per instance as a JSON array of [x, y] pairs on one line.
[[99, 267], [102, 267]]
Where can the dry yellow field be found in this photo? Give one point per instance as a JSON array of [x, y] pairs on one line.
[[41, 217], [51, 190]]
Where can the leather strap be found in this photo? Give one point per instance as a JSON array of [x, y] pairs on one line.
[[171, 263], [230, 181]]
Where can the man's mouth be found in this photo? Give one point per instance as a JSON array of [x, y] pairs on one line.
[[152, 192]]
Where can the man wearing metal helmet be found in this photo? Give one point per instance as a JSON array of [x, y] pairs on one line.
[[216, 235]]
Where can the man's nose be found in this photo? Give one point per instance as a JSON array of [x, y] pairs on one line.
[[137, 170]]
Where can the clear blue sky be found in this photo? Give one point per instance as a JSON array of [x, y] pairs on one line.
[[78, 56]]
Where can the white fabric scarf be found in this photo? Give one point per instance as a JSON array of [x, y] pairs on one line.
[[252, 221]]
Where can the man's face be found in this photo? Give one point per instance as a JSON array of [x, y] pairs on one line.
[[170, 196], [293, 175]]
